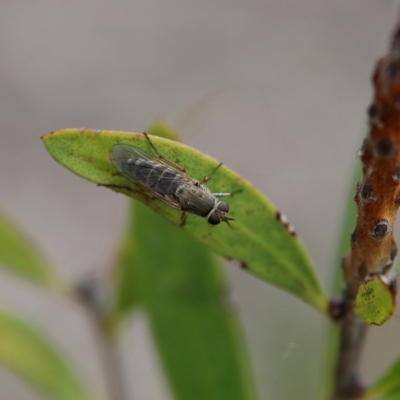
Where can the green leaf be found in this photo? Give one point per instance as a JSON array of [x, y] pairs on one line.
[[183, 293], [126, 279], [177, 281], [375, 302], [35, 361], [257, 239], [20, 257], [388, 386]]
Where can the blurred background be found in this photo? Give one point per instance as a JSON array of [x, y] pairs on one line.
[[282, 90]]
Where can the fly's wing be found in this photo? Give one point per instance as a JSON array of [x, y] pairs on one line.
[[150, 173]]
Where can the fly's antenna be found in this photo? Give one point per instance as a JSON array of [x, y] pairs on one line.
[[227, 219]]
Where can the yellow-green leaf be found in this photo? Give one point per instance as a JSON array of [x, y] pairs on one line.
[[19, 256], [375, 301], [33, 359], [257, 238]]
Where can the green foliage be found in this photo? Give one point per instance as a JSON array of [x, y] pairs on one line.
[[184, 295], [33, 359], [260, 242], [181, 288], [20, 257], [388, 386]]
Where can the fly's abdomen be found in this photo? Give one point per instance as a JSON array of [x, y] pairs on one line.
[[194, 199]]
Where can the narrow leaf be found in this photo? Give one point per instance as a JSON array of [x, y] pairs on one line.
[[126, 279], [388, 386], [19, 256], [257, 238], [25, 352], [183, 293]]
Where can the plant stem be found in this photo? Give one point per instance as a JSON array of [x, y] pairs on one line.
[[352, 338], [373, 246], [111, 362], [90, 294]]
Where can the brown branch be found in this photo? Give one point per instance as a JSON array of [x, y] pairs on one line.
[[348, 384], [373, 248]]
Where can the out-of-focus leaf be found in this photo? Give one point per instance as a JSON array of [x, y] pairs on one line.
[[126, 279], [347, 226], [375, 302], [388, 386], [257, 238], [25, 352], [184, 296], [21, 258]]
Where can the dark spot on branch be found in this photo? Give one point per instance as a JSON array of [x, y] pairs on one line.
[[392, 70], [373, 111], [244, 265], [384, 147], [366, 191], [393, 250], [362, 272], [354, 237], [381, 229]]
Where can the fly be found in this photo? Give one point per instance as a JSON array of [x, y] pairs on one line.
[[168, 182]]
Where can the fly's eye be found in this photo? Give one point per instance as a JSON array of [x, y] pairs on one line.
[[223, 206], [214, 218]]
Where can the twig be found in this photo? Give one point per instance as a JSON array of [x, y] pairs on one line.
[[373, 248], [90, 294], [348, 384]]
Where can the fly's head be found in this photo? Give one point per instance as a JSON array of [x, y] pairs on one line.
[[219, 213]]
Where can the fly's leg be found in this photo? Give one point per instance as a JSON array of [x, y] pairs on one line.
[[177, 166], [183, 219], [207, 178], [138, 192], [227, 194]]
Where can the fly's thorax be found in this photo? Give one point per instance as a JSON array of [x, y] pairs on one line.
[[195, 199]]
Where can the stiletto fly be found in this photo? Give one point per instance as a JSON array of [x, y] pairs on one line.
[[168, 182]]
